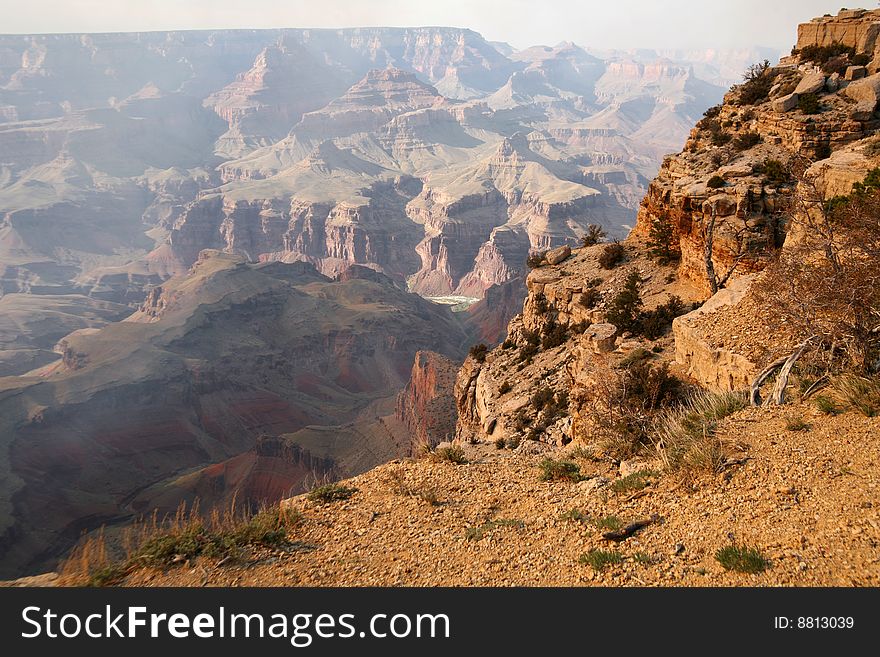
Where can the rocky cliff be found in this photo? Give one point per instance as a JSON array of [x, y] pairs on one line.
[[739, 181]]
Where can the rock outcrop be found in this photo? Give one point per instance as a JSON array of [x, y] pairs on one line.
[[426, 405]]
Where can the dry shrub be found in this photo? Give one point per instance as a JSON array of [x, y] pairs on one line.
[[826, 280], [188, 534], [621, 404], [685, 436]]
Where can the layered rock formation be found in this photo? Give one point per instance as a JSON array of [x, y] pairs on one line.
[[426, 405], [750, 166]]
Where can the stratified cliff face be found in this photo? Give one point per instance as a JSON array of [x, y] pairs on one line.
[[170, 403], [386, 147], [740, 161], [426, 405], [741, 167]]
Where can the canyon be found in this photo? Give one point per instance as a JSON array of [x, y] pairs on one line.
[[215, 248]]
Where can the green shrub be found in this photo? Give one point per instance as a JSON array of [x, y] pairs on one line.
[[599, 559], [477, 533], [826, 405], [535, 260], [633, 482], [796, 423], [553, 470], [746, 140], [612, 255], [453, 454], [742, 559], [595, 234], [607, 523], [330, 493], [623, 310], [635, 356], [774, 171], [821, 54], [808, 103], [478, 352], [662, 241], [757, 82], [654, 323]]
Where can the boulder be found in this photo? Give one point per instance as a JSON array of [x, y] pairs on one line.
[[832, 84], [735, 171], [866, 90], [863, 111], [555, 256], [855, 73], [812, 83], [784, 104], [602, 337], [722, 204]]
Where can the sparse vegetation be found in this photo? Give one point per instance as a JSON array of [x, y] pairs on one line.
[[612, 255], [452, 454], [686, 435], [746, 140], [187, 535], [607, 523], [757, 82], [808, 103], [330, 493], [637, 355], [826, 405], [590, 297], [742, 559], [478, 352], [599, 559], [535, 260], [644, 559], [633, 482], [823, 287], [595, 234], [859, 392], [573, 515], [796, 423], [553, 470], [479, 532]]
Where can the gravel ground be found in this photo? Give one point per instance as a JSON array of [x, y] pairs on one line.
[[808, 500]]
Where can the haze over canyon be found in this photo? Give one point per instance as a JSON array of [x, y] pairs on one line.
[[215, 246]]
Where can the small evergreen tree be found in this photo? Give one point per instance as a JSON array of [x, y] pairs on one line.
[[624, 309], [662, 241]]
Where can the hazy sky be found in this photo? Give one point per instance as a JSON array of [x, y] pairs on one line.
[[592, 23]]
